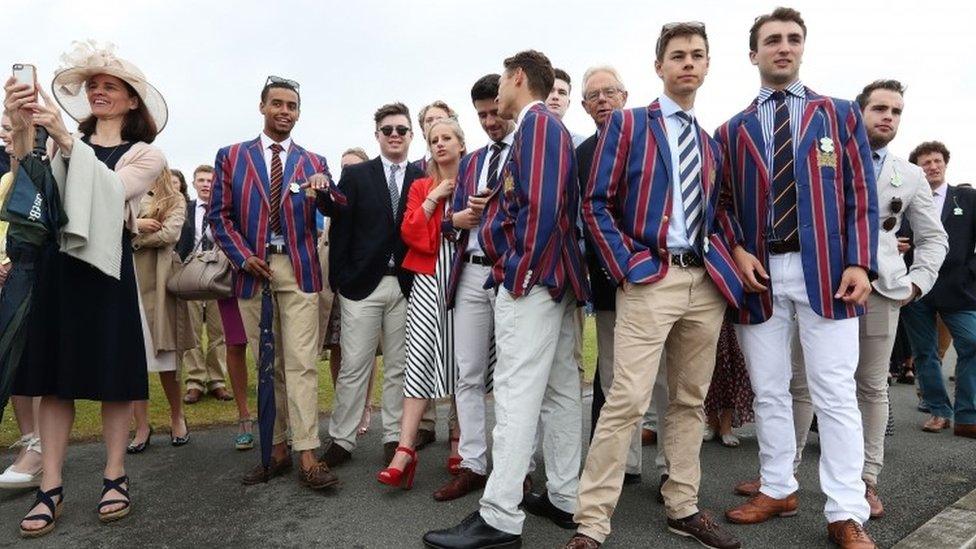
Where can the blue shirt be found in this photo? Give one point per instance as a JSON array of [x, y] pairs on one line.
[[673, 124], [796, 103], [878, 159]]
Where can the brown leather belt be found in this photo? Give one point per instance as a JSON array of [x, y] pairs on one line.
[[277, 249]]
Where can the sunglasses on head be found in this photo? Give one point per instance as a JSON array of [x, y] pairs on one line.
[[400, 130], [890, 221], [283, 81]]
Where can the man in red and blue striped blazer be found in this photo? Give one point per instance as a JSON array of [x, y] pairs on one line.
[[474, 305], [804, 207], [652, 207], [529, 235], [264, 220]]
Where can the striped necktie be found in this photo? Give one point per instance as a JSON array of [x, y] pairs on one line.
[[784, 182], [493, 161], [394, 188], [276, 173], [689, 170]]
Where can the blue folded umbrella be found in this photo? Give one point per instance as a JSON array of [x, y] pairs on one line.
[[266, 361]]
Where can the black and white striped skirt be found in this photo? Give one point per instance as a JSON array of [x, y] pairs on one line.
[[431, 369]]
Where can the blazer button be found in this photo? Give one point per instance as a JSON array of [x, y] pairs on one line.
[[662, 251], [664, 219]]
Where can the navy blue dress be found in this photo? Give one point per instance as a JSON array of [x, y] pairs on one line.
[[84, 332]]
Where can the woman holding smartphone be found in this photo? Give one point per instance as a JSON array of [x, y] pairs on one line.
[[86, 297], [431, 371]]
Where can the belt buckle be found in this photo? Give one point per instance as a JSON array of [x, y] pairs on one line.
[[681, 260]]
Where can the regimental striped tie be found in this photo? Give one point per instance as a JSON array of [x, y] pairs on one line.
[[496, 155], [784, 181], [689, 170], [394, 189], [275, 217]]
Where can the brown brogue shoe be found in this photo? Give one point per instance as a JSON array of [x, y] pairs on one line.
[[967, 430], [747, 488], [319, 477], [460, 485], [848, 534], [579, 541], [874, 502], [761, 508], [260, 474]]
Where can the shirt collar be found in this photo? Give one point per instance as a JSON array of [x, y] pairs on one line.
[[941, 189], [525, 109], [670, 108], [509, 139], [387, 163], [796, 88], [267, 141], [881, 153]]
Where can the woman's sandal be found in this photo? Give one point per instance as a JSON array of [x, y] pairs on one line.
[[245, 440], [47, 498], [108, 486]]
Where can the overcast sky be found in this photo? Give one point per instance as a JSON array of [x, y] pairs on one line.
[[210, 59]]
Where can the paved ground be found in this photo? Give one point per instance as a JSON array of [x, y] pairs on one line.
[[190, 496]]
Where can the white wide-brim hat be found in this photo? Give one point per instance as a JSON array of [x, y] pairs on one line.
[[87, 59]]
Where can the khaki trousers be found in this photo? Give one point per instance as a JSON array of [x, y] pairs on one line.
[[877, 330], [205, 371], [381, 313], [296, 332], [605, 321], [681, 315]]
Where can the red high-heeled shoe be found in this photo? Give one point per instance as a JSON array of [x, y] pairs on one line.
[[392, 476], [454, 462]]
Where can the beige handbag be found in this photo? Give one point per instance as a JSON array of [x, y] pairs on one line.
[[202, 276]]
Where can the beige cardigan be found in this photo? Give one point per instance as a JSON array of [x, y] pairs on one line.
[[167, 317], [100, 201]]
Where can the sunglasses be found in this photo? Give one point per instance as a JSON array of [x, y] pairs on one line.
[[891, 220], [400, 130], [283, 81]]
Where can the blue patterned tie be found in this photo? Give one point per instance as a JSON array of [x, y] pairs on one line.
[[784, 182], [689, 170]]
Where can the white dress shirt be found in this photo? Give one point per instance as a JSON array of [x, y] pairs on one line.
[[474, 245], [387, 166], [266, 142], [199, 215], [938, 198], [677, 231]]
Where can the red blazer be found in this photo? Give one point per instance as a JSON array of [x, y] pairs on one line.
[[421, 235]]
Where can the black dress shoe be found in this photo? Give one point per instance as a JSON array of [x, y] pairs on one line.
[[335, 455], [424, 439], [540, 506], [472, 533], [632, 478]]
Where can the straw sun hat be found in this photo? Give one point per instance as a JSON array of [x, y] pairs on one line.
[[87, 59]]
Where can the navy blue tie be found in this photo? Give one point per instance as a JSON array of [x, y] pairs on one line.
[[784, 182]]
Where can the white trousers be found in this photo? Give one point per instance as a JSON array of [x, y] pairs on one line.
[[535, 374], [830, 350], [474, 317], [383, 312]]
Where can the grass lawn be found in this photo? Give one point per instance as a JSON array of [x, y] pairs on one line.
[[209, 411]]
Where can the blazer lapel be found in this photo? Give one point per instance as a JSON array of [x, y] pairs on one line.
[[479, 160], [948, 205], [756, 145], [410, 174], [257, 163], [810, 127], [294, 159], [380, 175], [887, 172], [656, 123]]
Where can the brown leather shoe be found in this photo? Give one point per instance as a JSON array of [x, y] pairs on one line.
[[425, 437], [702, 528], [221, 394], [319, 477], [761, 508], [936, 424], [874, 502], [648, 437], [335, 455], [460, 485], [848, 534], [964, 430], [579, 541], [260, 474], [192, 396], [527, 485], [748, 488]]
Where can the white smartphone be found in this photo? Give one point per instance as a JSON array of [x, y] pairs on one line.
[[25, 74]]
